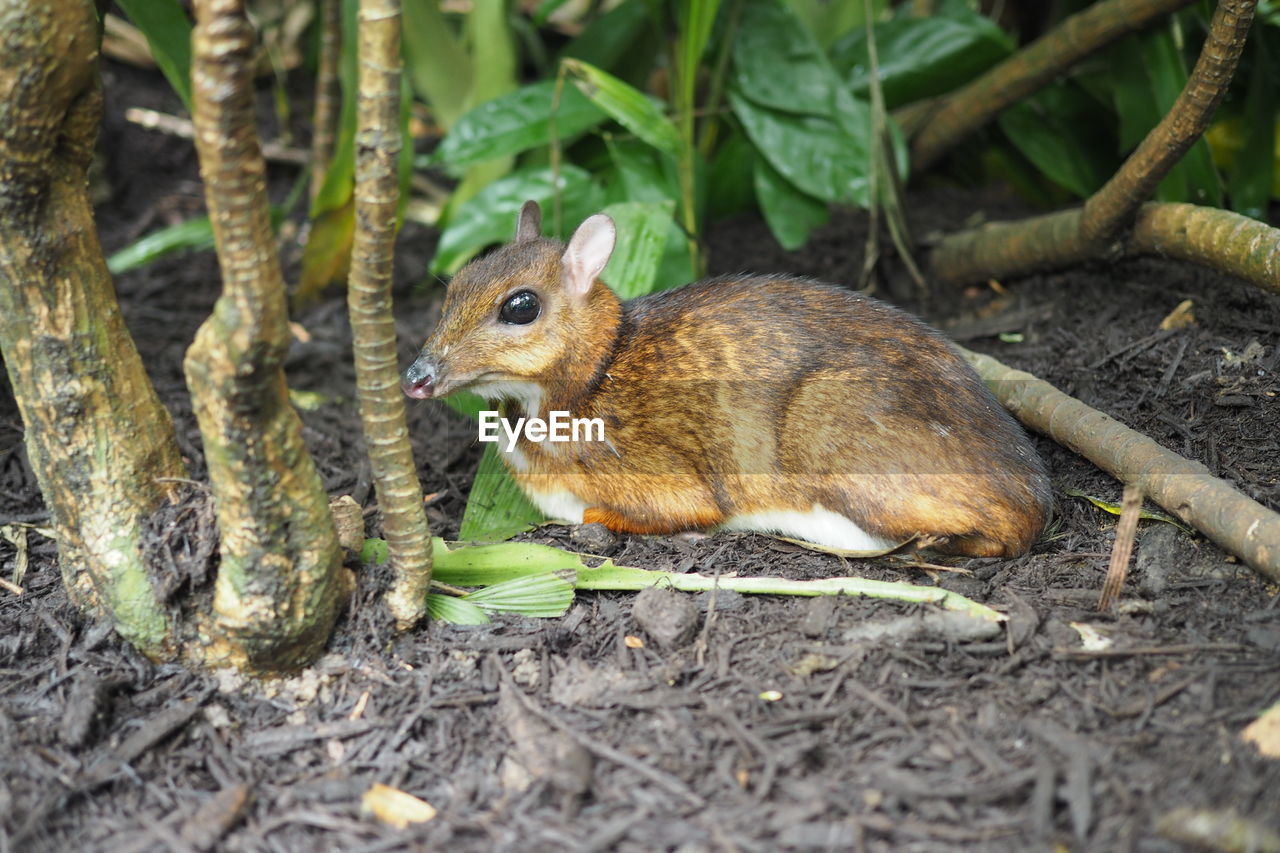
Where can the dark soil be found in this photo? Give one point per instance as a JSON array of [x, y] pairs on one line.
[[778, 723]]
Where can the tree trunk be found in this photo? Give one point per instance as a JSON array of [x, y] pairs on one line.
[[96, 434], [373, 329], [280, 582]]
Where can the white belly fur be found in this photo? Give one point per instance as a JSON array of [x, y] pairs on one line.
[[558, 506], [819, 525]]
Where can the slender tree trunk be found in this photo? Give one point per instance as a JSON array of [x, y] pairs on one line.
[[280, 582], [96, 433], [378, 144]]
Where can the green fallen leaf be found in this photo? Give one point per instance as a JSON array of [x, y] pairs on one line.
[[448, 608], [375, 551], [483, 565], [546, 595], [1114, 509]]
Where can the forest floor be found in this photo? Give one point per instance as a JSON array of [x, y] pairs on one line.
[[783, 723]]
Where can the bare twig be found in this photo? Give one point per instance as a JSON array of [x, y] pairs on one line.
[[1122, 549], [1183, 487]]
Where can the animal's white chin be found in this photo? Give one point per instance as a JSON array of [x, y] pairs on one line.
[[525, 393]]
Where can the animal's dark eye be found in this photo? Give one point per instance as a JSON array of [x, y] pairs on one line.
[[520, 308]]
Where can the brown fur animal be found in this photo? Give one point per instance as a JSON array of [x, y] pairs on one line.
[[750, 403]]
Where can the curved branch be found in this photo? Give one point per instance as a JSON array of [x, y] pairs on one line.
[[1111, 208], [378, 144], [1183, 487], [1031, 69]]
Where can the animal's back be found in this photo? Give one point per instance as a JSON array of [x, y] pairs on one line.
[[799, 397]]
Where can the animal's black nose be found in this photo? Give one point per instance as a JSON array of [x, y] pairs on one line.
[[419, 378]]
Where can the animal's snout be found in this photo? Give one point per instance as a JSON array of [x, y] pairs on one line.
[[419, 379]]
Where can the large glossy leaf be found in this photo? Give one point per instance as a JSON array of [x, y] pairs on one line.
[[516, 122], [489, 216], [1059, 130], [168, 32], [777, 64], [922, 57], [642, 227], [790, 214], [626, 104], [496, 508], [640, 173], [813, 152]]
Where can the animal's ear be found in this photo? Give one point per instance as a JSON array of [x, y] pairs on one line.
[[529, 222], [588, 252]]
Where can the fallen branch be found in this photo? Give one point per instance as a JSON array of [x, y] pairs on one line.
[[1183, 487], [1219, 239], [1029, 70]]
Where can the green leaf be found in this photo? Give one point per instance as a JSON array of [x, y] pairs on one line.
[[639, 173], [545, 596], [791, 214], [1147, 76], [642, 228], [483, 565], [1059, 130], [827, 21], [436, 62], [448, 608], [777, 64], [1253, 173], [731, 177], [339, 182], [813, 152], [489, 216], [516, 122], [375, 551], [193, 234], [610, 37], [496, 508], [627, 105], [168, 32], [466, 403], [922, 57]]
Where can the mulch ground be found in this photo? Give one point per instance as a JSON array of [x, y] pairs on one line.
[[822, 724]]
